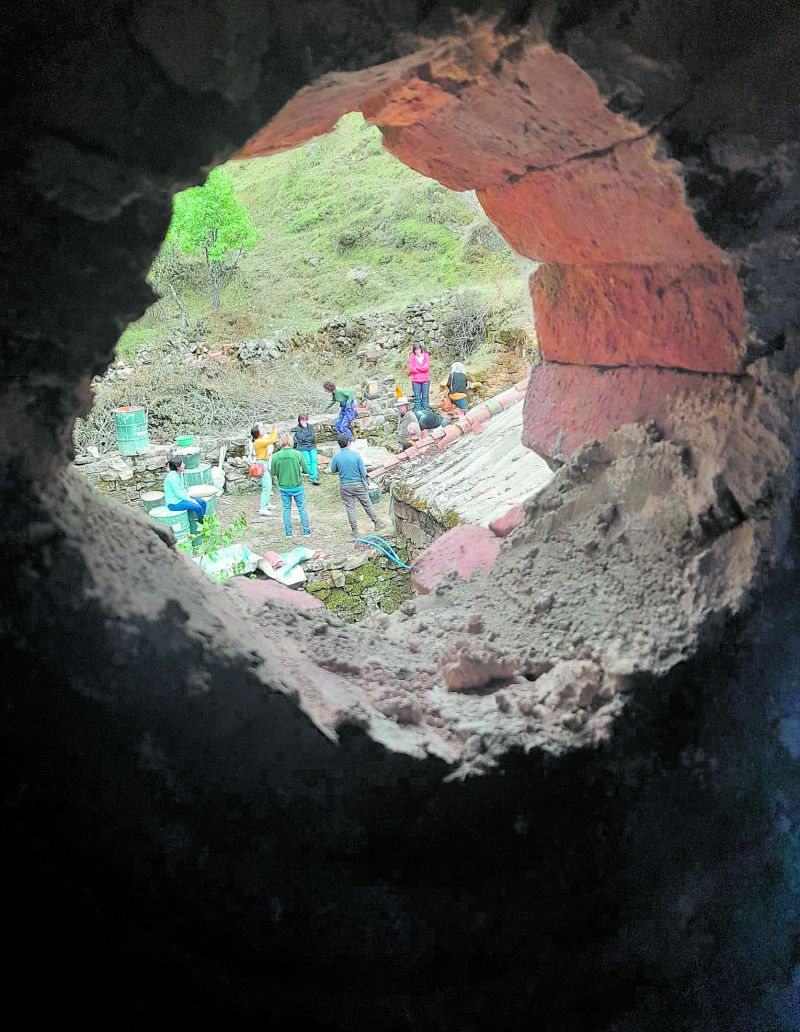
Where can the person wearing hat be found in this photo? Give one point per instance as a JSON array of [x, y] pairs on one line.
[[408, 427]]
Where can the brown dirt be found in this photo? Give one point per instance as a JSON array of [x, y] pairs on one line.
[[330, 530]]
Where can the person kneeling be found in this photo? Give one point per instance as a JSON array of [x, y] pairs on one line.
[[353, 483], [176, 497]]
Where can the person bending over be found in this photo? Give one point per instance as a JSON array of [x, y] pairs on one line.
[[353, 483], [347, 407], [305, 440], [288, 467], [457, 385], [176, 497], [430, 420], [407, 427]]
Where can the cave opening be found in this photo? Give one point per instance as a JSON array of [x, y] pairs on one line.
[[227, 802]]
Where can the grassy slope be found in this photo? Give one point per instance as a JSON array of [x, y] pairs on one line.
[[411, 238]]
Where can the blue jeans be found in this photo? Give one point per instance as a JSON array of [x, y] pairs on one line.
[[195, 505], [421, 395], [299, 495], [266, 489], [461, 403], [347, 413], [311, 459]]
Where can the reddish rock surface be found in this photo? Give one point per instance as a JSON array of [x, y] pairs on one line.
[[263, 591], [509, 521], [464, 550], [554, 108], [626, 206], [568, 405], [689, 318]]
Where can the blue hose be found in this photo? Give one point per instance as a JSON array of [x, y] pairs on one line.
[[384, 547]]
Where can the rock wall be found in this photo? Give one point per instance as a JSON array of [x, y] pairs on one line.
[[415, 524], [359, 585]]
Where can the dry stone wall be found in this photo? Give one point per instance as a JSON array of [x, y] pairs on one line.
[[355, 586], [416, 526]]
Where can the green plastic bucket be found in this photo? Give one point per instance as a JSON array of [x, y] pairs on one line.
[[179, 521], [195, 477], [184, 441], [209, 494], [130, 422], [152, 500]]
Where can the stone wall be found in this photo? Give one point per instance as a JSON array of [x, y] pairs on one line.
[[416, 525], [368, 334], [359, 584], [127, 477]]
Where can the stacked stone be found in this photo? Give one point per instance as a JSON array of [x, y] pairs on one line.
[[357, 585], [128, 477], [415, 524], [256, 352]]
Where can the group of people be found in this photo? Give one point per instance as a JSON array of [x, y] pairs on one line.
[[289, 458], [286, 459], [419, 417]]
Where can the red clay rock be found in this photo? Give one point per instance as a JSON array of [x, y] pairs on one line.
[[627, 206], [317, 108], [688, 318], [263, 591], [568, 405], [497, 128], [509, 521], [464, 550]]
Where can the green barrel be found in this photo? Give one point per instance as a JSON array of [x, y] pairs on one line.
[[195, 477], [179, 521], [152, 500], [184, 441], [130, 422], [191, 457]]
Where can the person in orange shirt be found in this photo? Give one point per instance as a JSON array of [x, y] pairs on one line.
[[259, 450]]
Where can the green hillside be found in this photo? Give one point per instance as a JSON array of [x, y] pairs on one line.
[[343, 227]]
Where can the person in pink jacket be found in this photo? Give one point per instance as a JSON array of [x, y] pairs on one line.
[[419, 368]]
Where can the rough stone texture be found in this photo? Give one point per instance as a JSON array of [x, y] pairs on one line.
[[367, 583], [473, 480], [242, 819], [262, 592], [557, 420], [462, 551], [626, 206], [630, 315]]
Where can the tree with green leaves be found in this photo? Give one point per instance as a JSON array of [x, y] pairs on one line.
[[209, 221]]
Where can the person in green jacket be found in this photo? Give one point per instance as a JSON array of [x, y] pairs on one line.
[[288, 467], [347, 407]]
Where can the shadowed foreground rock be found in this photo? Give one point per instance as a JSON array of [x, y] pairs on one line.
[[219, 814]]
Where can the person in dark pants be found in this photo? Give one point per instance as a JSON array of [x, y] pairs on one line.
[[430, 420], [353, 483]]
